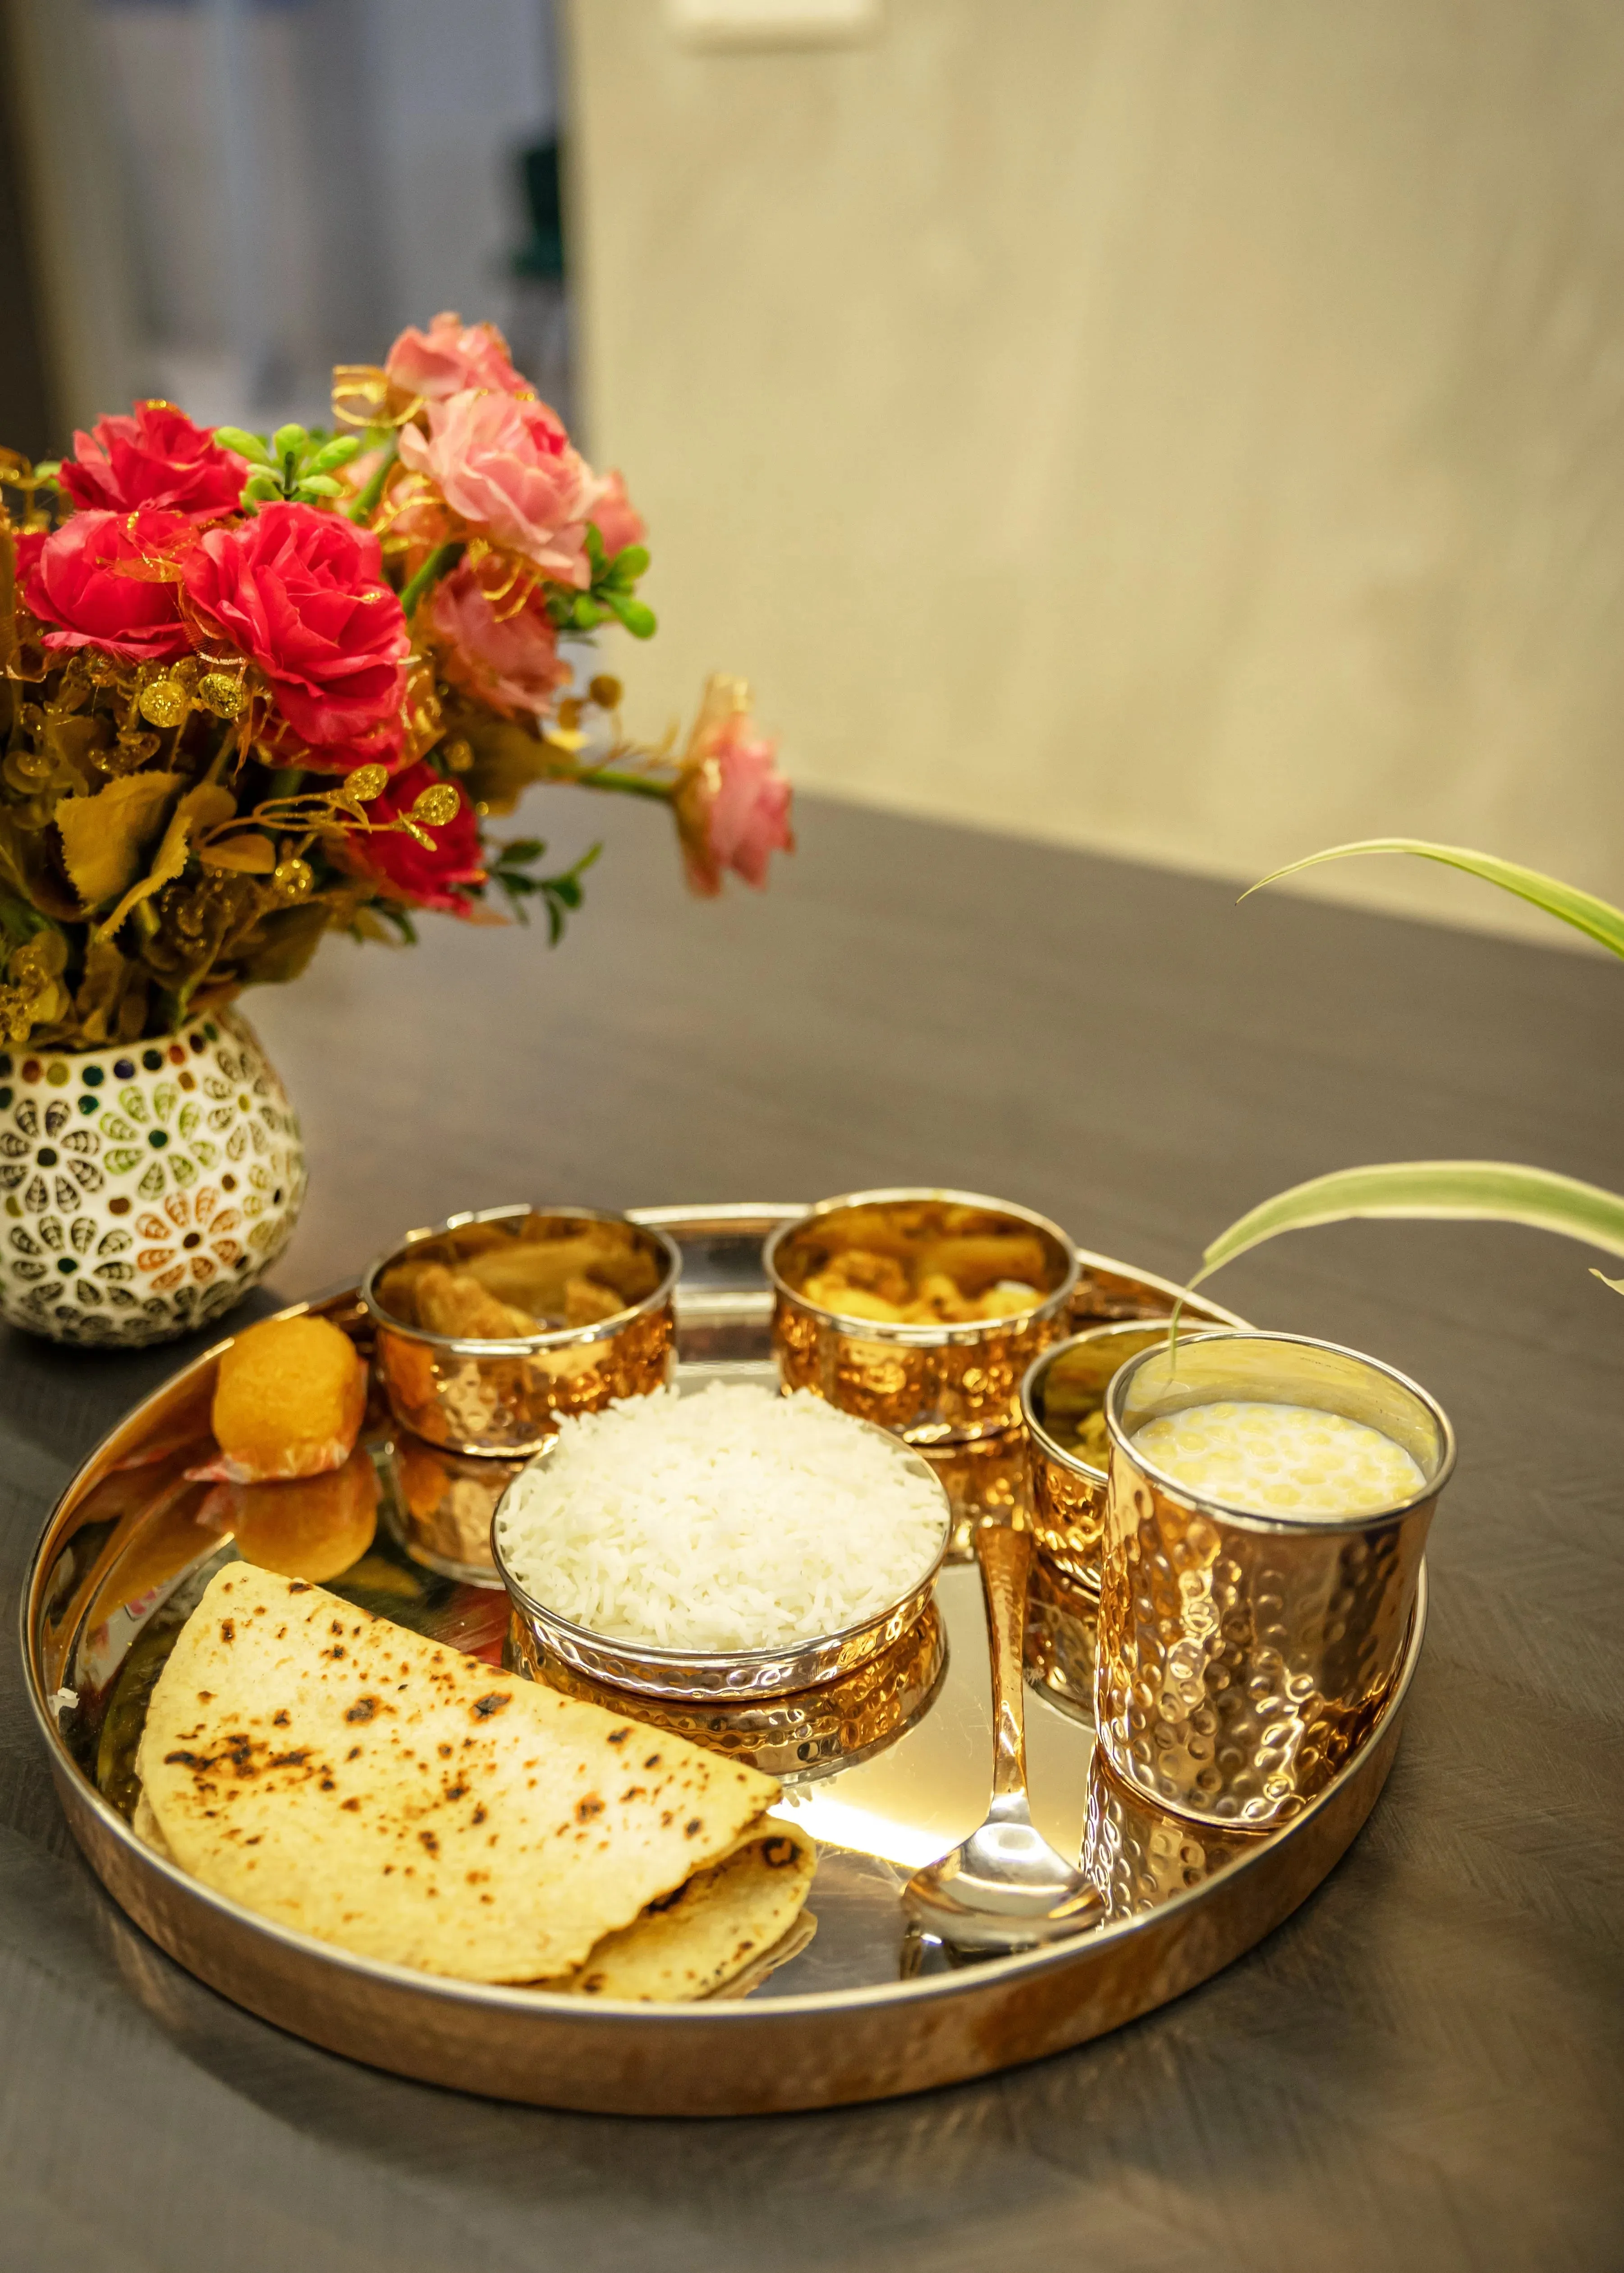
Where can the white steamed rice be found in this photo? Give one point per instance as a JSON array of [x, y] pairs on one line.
[[732, 1519]]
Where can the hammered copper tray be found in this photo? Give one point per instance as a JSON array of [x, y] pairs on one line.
[[859, 2012]]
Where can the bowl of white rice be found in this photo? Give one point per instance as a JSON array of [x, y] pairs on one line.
[[726, 1543]]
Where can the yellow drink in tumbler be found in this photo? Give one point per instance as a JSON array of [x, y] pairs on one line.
[[1281, 1460]]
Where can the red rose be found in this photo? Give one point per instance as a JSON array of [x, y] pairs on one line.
[[106, 580], [158, 458], [302, 592], [409, 871]]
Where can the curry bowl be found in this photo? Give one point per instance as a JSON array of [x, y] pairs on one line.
[[919, 1309], [492, 1327]]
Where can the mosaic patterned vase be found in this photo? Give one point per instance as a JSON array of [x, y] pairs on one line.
[[145, 1187]]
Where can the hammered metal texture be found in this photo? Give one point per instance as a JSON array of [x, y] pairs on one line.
[[1068, 1514], [509, 1398], [1138, 1856], [667, 1674], [943, 1391], [515, 1404], [949, 1385], [795, 1737], [440, 1505], [1061, 1646], [1240, 1666], [985, 1482], [1067, 1487]]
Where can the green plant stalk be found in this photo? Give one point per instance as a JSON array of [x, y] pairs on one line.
[[614, 777], [366, 503], [1597, 919], [1481, 1191], [439, 563]]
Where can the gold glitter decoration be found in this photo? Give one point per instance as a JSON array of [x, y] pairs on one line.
[[437, 806], [366, 784], [219, 691], [163, 703], [293, 879]]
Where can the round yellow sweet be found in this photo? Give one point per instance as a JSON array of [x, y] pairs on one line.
[[288, 1400]]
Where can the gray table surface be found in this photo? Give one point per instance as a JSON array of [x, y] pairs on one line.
[[1422, 2067]]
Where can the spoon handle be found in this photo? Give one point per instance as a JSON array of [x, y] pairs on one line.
[[1005, 1560]]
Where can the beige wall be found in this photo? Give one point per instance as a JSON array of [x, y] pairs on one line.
[[1190, 428]]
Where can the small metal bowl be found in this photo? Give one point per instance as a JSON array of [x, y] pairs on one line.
[[705, 1676], [1067, 1489], [797, 1738], [929, 1384], [507, 1397]]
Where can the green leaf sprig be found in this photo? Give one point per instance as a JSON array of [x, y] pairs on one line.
[[560, 896], [612, 594], [297, 464]]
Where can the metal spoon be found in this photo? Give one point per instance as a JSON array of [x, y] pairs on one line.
[[1006, 1887]]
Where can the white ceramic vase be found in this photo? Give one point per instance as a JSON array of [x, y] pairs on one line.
[[144, 1186]]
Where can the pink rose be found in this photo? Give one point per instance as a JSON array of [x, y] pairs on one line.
[[106, 579], [451, 356], [302, 592], [731, 803], [503, 657], [438, 877], [507, 466], [618, 521], [156, 458]]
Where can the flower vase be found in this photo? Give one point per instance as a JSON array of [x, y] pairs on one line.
[[145, 1186]]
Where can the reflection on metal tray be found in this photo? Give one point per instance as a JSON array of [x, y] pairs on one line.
[[884, 1782]]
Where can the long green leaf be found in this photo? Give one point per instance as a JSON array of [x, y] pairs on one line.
[[1599, 919], [1489, 1191]]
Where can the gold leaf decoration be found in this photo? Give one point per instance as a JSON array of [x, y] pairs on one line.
[[436, 806], [249, 854], [366, 782], [105, 837], [203, 808]]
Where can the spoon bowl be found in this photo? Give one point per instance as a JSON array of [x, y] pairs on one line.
[[1006, 1887]]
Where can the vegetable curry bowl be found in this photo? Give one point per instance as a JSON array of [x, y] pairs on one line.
[[917, 1309]]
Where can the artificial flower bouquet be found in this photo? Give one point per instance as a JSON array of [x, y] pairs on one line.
[[259, 689]]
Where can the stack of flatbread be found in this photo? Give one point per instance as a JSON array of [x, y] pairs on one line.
[[339, 1774]]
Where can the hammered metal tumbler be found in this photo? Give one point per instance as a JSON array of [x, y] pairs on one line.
[[1242, 1658]]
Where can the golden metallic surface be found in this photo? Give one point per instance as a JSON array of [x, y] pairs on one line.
[[929, 1385], [439, 1505], [1140, 1857], [122, 1558], [705, 1677], [1061, 1655], [793, 1737], [1244, 1659], [1063, 1406], [509, 1397], [987, 1482]]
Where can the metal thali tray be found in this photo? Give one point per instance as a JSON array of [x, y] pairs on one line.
[[885, 1777]]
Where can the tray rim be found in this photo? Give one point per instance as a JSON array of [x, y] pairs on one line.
[[123, 1863]]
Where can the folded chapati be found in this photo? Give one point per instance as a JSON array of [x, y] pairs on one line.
[[345, 1777]]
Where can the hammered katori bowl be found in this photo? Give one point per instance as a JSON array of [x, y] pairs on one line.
[[796, 1738], [509, 1396], [929, 1384], [731, 1675], [1063, 1388]]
